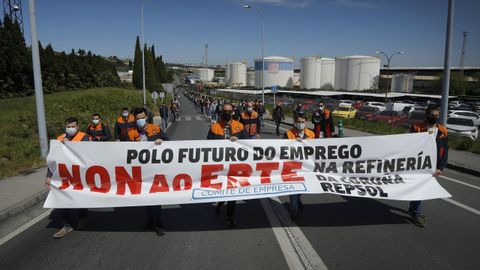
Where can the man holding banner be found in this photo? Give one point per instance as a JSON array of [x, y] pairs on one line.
[[298, 132], [227, 128], [430, 125], [149, 132]]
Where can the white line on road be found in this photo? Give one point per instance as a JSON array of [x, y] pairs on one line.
[[296, 248], [24, 227], [188, 118], [459, 204], [459, 182]]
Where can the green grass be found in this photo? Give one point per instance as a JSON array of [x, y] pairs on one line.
[[20, 150]]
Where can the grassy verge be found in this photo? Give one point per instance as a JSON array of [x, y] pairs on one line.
[[20, 150]]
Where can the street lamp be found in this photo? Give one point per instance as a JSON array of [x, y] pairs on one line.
[[263, 58], [389, 59], [143, 61]]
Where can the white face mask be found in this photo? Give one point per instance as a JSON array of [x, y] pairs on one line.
[[321, 108], [249, 109], [125, 114], [141, 122], [300, 126], [71, 131], [96, 121]]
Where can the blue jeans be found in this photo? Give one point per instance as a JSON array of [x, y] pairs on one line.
[[294, 201], [415, 207], [164, 123]]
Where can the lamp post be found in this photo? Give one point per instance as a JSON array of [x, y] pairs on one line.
[[143, 61], [389, 59], [263, 58]]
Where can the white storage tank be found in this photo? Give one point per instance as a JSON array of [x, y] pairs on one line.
[[277, 71], [227, 74], [356, 72], [204, 74], [402, 83], [311, 70], [250, 78], [327, 77], [317, 72], [238, 74]]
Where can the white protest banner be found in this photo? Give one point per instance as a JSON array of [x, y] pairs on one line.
[[113, 174]]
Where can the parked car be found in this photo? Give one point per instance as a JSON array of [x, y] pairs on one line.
[[380, 105], [344, 112], [392, 118], [417, 117], [466, 114], [462, 127], [357, 105], [366, 112], [346, 102]]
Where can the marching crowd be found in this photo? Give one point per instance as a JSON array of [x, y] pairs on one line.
[[232, 120]]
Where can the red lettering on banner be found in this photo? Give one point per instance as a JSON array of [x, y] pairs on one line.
[[68, 178], [240, 173], [288, 175], [187, 182], [123, 178], [266, 168], [208, 176], [159, 184], [104, 179]]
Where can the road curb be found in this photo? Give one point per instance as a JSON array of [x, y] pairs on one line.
[[22, 206]]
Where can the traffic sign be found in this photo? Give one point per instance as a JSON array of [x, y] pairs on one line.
[[154, 95], [274, 88], [162, 94]]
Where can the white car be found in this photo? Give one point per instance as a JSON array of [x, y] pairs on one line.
[[380, 105], [462, 127], [466, 114], [345, 102]]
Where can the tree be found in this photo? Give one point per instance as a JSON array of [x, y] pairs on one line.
[[137, 78]]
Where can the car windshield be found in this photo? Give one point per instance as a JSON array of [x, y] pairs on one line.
[[467, 114], [460, 121], [389, 113], [343, 109]]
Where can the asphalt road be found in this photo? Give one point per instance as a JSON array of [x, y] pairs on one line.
[[341, 232]]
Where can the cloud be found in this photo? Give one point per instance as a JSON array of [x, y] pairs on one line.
[[355, 4], [286, 3]]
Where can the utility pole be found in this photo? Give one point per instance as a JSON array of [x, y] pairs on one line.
[[446, 67], [462, 56], [206, 55]]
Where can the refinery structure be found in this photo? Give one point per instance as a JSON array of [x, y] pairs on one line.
[[357, 72]]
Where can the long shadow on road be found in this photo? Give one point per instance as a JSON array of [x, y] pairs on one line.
[[249, 215]]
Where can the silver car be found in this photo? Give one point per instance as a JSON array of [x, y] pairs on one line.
[[462, 127]]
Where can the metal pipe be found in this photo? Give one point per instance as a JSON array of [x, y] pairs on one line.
[[446, 67], [143, 61]]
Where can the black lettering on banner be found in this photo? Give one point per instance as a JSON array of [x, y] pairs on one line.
[[338, 188], [155, 159], [332, 168], [217, 154], [355, 151], [284, 152], [193, 157], [388, 165], [205, 152], [131, 155], [167, 156], [327, 187], [257, 153], [144, 156], [348, 167], [308, 151], [320, 152], [410, 164], [319, 167], [427, 163], [331, 152], [242, 154], [296, 153], [359, 167], [182, 153], [381, 193], [343, 152], [400, 165], [270, 153], [361, 190], [230, 154], [398, 179]]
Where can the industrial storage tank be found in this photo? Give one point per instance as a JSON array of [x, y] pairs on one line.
[[238, 74], [227, 74], [250, 78], [327, 77], [356, 72], [204, 74], [317, 72], [402, 83], [277, 71]]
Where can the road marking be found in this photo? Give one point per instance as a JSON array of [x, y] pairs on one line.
[[25, 227], [198, 117], [459, 182], [296, 248], [188, 118], [459, 204]]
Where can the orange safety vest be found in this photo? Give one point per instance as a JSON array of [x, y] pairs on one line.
[[77, 138], [250, 122], [217, 130], [151, 132], [293, 134]]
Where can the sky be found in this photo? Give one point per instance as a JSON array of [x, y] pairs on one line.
[[293, 28]]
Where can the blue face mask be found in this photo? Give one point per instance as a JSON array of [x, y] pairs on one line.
[[71, 131], [141, 122]]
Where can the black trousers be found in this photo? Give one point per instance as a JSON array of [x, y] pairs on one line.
[[277, 123], [230, 207], [69, 216], [154, 214]]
